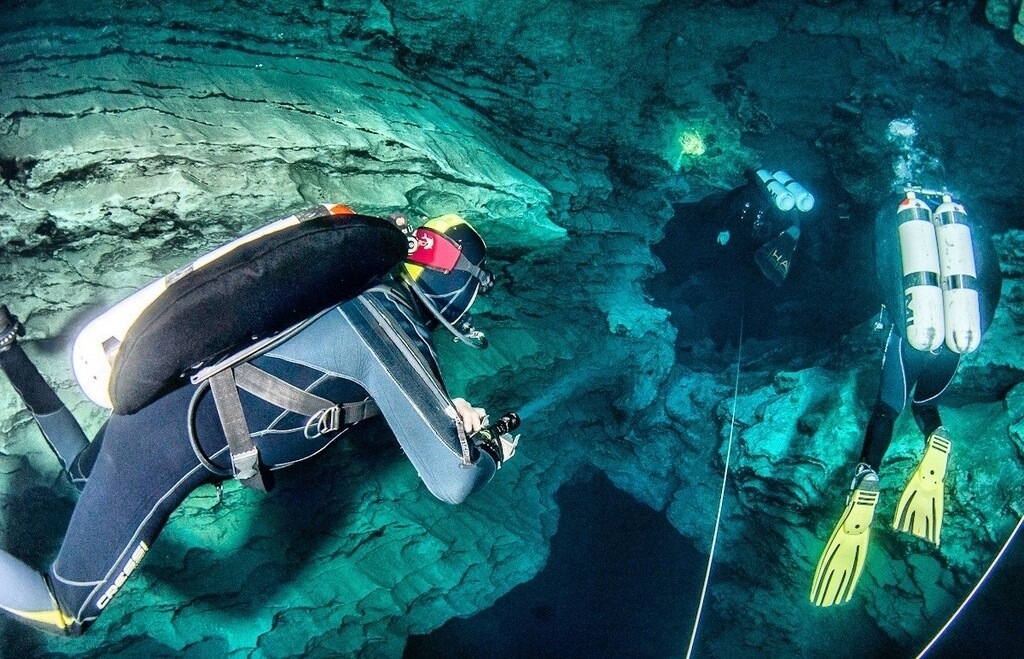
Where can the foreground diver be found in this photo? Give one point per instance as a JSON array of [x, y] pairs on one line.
[[941, 282], [370, 354]]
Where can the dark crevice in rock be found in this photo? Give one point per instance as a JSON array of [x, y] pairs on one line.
[[16, 169], [615, 565]]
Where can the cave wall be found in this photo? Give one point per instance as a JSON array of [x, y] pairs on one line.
[[133, 138], [1006, 15]]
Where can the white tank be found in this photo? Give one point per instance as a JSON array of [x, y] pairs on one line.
[[804, 200], [782, 197], [923, 310], [959, 277]]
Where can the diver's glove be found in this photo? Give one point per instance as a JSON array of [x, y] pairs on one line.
[[496, 439], [473, 418]]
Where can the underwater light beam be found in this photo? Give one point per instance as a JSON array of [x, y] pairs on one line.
[[561, 390], [692, 144]]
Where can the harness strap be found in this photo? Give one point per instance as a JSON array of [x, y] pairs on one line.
[[274, 390], [287, 396], [324, 416], [245, 460]]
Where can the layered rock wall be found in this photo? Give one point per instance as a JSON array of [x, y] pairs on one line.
[[134, 138]]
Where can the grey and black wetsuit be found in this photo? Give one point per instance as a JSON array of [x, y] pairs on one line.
[[141, 467]]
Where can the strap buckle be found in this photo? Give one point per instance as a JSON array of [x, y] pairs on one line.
[[246, 464], [325, 421]]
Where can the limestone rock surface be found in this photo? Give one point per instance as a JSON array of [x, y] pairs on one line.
[[135, 137]]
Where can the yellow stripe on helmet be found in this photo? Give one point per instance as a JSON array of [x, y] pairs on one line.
[[414, 271], [444, 223]]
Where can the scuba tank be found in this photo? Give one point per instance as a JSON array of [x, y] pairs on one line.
[[961, 303], [780, 196], [803, 199], [783, 190], [923, 309]]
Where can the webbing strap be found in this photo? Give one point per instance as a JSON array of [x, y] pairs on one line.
[[324, 416], [245, 460], [287, 396], [278, 392]]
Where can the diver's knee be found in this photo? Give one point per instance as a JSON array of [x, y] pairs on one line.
[[884, 411], [453, 493]]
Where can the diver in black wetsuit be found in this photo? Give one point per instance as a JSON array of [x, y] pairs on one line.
[[940, 280], [760, 221], [371, 354], [905, 369]]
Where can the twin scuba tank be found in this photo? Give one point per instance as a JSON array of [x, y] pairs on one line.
[[785, 192], [940, 287]]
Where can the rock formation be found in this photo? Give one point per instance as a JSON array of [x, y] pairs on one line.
[[134, 137]]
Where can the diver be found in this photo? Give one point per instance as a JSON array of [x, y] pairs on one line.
[[940, 279], [369, 355], [759, 220]]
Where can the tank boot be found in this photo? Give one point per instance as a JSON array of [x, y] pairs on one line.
[[919, 511], [845, 553], [25, 596]]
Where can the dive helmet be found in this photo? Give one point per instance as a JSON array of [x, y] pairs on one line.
[[445, 270]]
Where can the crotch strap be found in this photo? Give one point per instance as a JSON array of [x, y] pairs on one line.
[[245, 459], [324, 416]]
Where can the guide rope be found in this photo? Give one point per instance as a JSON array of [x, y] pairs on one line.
[[977, 586], [721, 497]]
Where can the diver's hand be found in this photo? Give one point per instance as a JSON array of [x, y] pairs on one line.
[[473, 418]]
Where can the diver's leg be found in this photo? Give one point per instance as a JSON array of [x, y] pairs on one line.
[[83, 463], [59, 426], [878, 435], [927, 417], [145, 469], [893, 390], [934, 381], [842, 560], [25, 595]]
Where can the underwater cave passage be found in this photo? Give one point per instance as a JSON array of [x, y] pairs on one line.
[[620, 582], [709, 286]]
